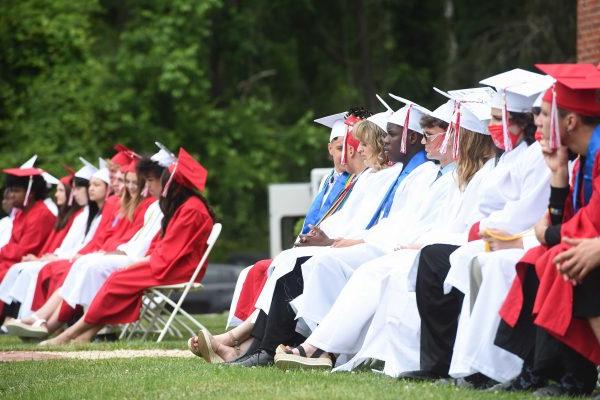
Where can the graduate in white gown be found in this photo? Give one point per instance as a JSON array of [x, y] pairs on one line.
[[443, 207], [6, 222]]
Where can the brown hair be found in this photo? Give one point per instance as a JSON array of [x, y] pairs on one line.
[[474, 150], [427, 121], [129, 203], [371, 134]]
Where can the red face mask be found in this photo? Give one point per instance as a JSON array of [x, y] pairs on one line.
[[498, 136]]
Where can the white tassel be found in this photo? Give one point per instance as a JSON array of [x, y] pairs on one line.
[[554, 133], [28, 192], [166, 189]]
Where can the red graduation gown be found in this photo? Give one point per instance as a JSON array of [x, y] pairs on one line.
[[251, 288], [30, 230], [173, 260], [126, 228], [553, 307]]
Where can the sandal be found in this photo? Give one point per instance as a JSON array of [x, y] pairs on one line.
[[320, 359], [36, 330], [205, 348]]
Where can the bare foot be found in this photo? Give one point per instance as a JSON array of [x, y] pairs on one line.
[[227, 353], [56, 341]]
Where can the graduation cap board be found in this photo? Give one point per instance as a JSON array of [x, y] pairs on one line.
[[187, 172], [381, 119], [575, 89], [517, 91], [164, 157], [470, 110], [408, 117]]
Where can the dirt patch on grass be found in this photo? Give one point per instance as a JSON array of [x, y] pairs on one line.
[[11, 356]]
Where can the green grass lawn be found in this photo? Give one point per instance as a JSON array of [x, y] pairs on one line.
[[176, 378]]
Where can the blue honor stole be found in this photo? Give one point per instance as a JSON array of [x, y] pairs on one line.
[[386, 204], [319, 207], [581, 199]]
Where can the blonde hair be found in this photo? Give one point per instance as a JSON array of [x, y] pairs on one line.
[[130, 203], [372, 135], [474, 150]]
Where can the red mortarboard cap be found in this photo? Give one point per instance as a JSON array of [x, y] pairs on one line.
[[131, 166], [188, 172], [124, 155], [576, 87], [23, 172]]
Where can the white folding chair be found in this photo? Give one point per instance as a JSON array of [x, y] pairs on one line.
[[154, 304]]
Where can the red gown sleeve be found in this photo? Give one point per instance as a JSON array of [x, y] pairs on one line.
[[37, 224]]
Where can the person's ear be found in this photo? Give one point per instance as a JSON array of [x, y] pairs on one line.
[[571, 122], [413, 138]]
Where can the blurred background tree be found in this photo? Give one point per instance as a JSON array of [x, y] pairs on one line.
[[239, 82]]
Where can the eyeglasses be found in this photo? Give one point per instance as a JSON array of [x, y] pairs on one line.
[[428, 137]]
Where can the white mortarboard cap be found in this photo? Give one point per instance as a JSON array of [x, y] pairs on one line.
[[102, 173], [87, 170], [164, 157], [50, 180], [474, 107], [520, 87], [29, 163], [414, 121], [538, 100], [444, 112], [381, 119], [335, 122]]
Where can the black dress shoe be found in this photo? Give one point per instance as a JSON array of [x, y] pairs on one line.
[[526, 380], [569, 386], [421, 376], [260, 358], [476, 381]]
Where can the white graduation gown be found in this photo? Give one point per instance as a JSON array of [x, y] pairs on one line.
[[89, 272], [326, 275], [351, 219]]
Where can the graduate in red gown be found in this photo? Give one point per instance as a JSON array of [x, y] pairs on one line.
[[34, 221], [172, 258], [539, 323]]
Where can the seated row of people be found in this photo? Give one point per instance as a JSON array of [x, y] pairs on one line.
[[416, 266], [118, 231]]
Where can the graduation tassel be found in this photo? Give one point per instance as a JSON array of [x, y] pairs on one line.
[[456, 143], [554, 133], [449, 131], [507, 142], [145, 191], [405, 130], [168, 184], [344, 160], [28, 192]]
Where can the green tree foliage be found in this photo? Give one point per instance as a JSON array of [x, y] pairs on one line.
[[238, 82]]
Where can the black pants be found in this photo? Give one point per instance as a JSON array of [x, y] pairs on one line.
[[439, 312], [279, 327], [543, 353]]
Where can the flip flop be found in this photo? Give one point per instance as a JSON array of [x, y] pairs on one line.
[[205, 348]]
